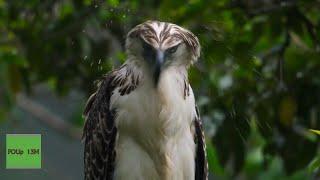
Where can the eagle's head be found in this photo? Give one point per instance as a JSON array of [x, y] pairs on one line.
[[159, 45]]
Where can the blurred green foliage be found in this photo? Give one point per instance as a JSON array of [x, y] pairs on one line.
[[257, 82]]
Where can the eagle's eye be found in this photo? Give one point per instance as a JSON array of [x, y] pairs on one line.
[[146, 47], [172, 49]]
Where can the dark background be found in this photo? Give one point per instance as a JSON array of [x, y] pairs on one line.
[[257, 83]]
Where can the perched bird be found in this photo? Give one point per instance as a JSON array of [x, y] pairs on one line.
[[142, 122]]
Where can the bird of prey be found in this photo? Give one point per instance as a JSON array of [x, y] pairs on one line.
[[142, 122]]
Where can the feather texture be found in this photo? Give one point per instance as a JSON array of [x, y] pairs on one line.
[[201, 156]]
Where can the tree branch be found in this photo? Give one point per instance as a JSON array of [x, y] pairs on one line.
[[311, 29], [259, 7], [45, 116], [76, 23], [282, 50]]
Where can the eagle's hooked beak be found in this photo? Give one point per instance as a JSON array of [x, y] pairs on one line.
[[158, 65]]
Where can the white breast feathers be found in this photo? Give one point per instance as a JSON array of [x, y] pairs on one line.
[[154, 130]]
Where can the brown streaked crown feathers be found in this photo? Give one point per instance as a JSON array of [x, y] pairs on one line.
[[165, 35]]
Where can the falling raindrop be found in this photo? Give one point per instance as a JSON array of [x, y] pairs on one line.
[[85, 57], [99, 61], [96, 6]]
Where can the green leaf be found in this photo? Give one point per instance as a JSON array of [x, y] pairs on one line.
[[113, 3], [314, 165], [214, 165], [315, 131]]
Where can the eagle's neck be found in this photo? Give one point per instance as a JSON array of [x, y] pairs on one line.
[[172, 89], [174, 115]]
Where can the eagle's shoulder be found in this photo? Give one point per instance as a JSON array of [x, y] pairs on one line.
[[123, 78], [100, 131]]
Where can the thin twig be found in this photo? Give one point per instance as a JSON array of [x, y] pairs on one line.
[[311, 29], [271, 9], [255, 8], [279, 52], [281, 58]]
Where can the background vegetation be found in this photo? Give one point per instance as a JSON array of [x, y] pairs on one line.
[[257, 83]]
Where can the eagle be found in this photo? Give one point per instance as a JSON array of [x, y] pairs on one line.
[[142, 122]]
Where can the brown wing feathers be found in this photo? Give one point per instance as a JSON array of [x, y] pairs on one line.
[[99, 134], [201, 159], [100, 131]]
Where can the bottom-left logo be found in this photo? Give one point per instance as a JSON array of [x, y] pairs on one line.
[[23, 151]]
